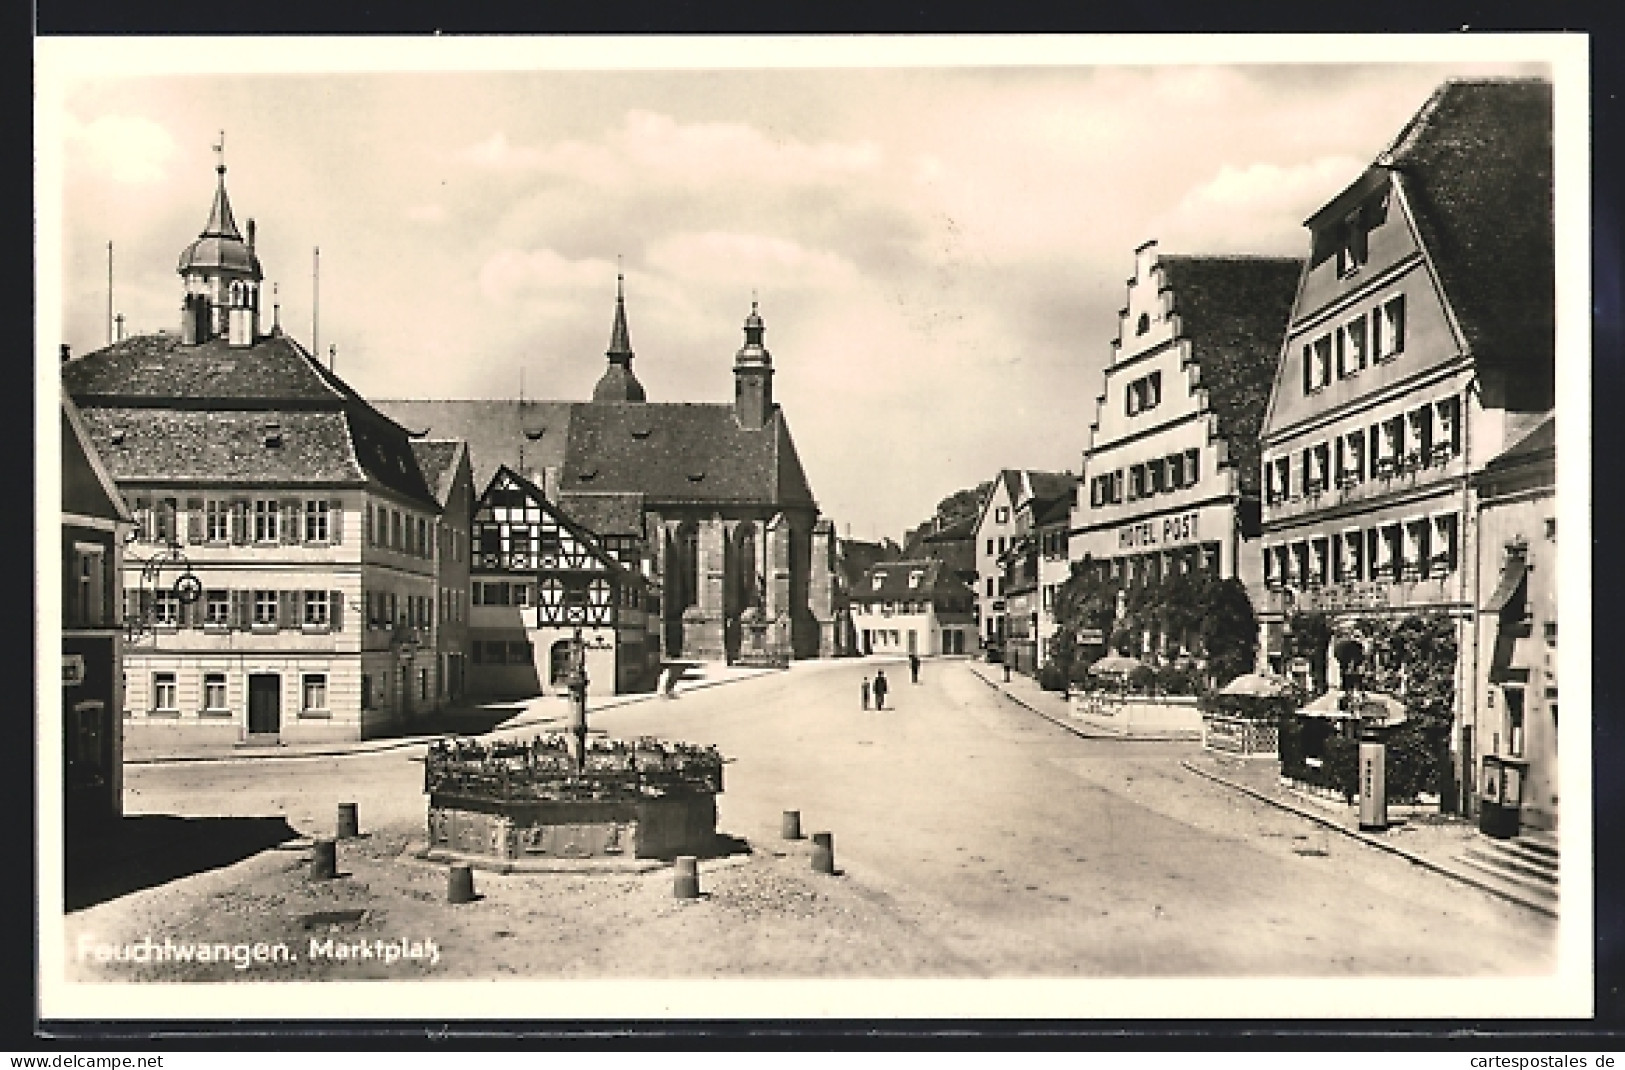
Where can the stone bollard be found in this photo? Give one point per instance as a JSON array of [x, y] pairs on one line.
[[823, 856], [686, 878], [324, 860], [349, 826], [460, 885], [790, 825]]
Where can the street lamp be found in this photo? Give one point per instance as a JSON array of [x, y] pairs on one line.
[[187, 587]]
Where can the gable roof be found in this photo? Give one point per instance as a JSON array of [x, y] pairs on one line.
[[1058, 511], [683, 453], [1476, 166], [87, 486], [1539, 444], [606, 513], [165, 412], [507, 476], [527, 436], [935, 578], [1234, 312], [160, 370], [437, 460]]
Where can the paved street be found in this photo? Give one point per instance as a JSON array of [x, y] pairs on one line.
[[975, 839]]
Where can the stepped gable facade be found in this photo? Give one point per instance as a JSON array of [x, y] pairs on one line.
[[712, 496]]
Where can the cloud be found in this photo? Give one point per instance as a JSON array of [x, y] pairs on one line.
[[1256, 207], [720, 257], [126, 148], [511, 274], [651, 147]]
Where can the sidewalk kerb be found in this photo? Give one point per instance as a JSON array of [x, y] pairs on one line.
[[1099, 732], [1372, 841]]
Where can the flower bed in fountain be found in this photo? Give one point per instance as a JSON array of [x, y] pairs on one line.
[[505, 802]]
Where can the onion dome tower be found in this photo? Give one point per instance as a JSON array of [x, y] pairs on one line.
[[618, 383], [221, 274]]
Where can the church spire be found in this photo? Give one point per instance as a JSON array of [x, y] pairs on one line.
[[618, 382], [221, 223]]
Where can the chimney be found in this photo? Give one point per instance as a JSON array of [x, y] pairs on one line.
[[66, 353]]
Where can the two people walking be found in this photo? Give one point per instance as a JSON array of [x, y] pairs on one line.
[[878, 689], [879, 686]]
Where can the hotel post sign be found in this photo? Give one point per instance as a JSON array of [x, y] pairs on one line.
[[1175, 530]]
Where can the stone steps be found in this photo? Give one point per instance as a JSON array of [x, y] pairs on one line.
[[1528, 864]]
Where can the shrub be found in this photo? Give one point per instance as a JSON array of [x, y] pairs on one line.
[[1052, 677]]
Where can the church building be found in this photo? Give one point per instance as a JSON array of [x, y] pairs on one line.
[[709, 498]]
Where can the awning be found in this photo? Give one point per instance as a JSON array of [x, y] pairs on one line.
[[1512, 577]]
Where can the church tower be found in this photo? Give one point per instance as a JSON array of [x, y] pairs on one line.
[[221, 274], [618, 383], [753, 376]]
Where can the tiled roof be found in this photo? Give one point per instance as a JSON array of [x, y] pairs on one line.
[[963, 529], [1234, 311], [497, 432], [605, 514], [677, 453], [191, 446], [1542, 441], [1057, 512], [87, 486], [936, 578], [1476, 166], [437, 460], [158, 369], [1047, 486]]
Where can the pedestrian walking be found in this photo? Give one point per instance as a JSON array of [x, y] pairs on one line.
[[865, 692], [880, 690], [914, 668]]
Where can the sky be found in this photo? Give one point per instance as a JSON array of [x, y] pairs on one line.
[[939, 250]]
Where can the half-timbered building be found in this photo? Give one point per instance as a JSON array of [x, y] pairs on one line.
[[539, 581]]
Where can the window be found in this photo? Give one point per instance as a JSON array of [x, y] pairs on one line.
[[217, 609], [1142, 324], [519, 652], [1317, 364], [1136, 482], [1318, 562], [1417, 547], [316, 607], [1001, 515], [1387, 445], [1351, 458], [1351, 244], [313, 686], [395, 537], [166, 608], [1143, 393], [165, 698], [423, 537], [1280, 479], [366, 683], [1447, 422], [990, 547], [521, 594], [990, 586], [266, 517], [1418, 434], [1316, 461], [217, 521], [1443, 559], [914, 578], [1351, 355], [90, 578], [1156, 476], [214, 693], [316, 526], [265, 609], [1388, 328]]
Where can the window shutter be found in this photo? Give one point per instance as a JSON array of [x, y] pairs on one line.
[[194, 520], [368, 533], [292, 518], [143, 518], [131, 606], [287, 609], [335, 611], [239, 610], [335, 521], [146, 605], [239, 521]]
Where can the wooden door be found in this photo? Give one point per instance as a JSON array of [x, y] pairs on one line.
[[264, 704]]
